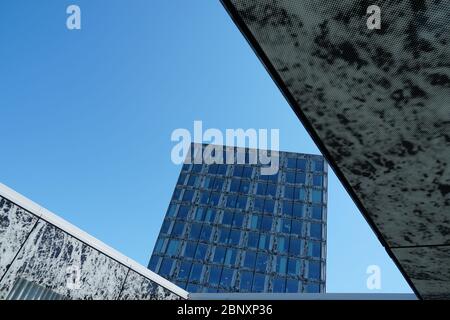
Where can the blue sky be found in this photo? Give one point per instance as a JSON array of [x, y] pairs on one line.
[[86, 118]]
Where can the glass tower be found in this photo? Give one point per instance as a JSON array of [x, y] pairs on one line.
[[229, 228]]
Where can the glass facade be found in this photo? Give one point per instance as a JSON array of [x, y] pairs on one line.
[[230, 229]]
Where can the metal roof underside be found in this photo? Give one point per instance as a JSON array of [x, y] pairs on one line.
[[377, 104]]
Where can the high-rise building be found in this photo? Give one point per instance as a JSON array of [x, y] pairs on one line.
[[229, 228]]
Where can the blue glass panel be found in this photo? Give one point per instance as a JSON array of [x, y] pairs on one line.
[[195, 231], [300, 178], [294, 246], [278, 285], [199, 212], [241, 202], [301, 164], [316, 212], [204, 197], [258, 282], [181, 178], [266, 224], [313, 288], [300, 194], [222, 169], [153, 263], [317, 195], [183, 212], [292, 163], [289, 193], [286, 225], [238, 170], [269, 206], [264, 241], [177, 230], [317, 180], [214, 275], [252, 241], [219, 255], [172, 248], [314, 249], [261, 189], [255, 221], [159, 245], [271, 190], [205, 235], [249, 260], [231, 201], [166, 226], [197, 168], [315, 230], [223, 235], [248, 171], [244, 187], [218, 184], [186, 167], [226, 277], [200, 254], [292, 285], [189, 249], [298, 209], [273, 177], [314, 270], [287, 208], [196, 272], [234, 186], [214, 199], [258, 205], [294, 267], [166, 267], [188, 195], [290, 176], [238, 220], [282, 244], [246, 280], [210, 215], [193, 288], [230, 258], [261, 262], [172, 210], [227, 218], [185, 269], [212, 169], [318, 165], [235, 237], [296, 227], [281, 265]]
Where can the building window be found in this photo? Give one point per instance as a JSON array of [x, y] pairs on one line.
[[235, 237], [252, 241], [289, 193], [214, 276], [317, 180], [314, 249], [317, 196], [298, 209], [196, 272], [231, 256], [281, 264], [249, 260], [301, 164], [271, 190], [195, 231], [189, 249], [282, 244], [183, 212], [244, 187], [246, 280], [193, 288], [200, 254], [278, 285], [223, 235], [226, 278], [266, 224], [261, 262], [313, 288], [172, 210], [296, 227], [316, 212], [219, 255], [294, 246], [259, 282], [258, 205], [238, 220], [264, 241], [185, 269], [261, 189], [269, 206], [292, 285], [172, 248], [166, 267], [241, 202], [313, 270], [177, 230], [294, 267], [153, 263], [290, 176], [205, 235], [166, 226], [315, 230], [300, 178], [318, 165], [227, 218], [285, 225], [188, 196], [287, 208]]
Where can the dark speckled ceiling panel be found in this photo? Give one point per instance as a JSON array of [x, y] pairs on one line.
[[377, 103]]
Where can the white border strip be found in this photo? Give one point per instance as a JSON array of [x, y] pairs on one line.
[[83, 236]]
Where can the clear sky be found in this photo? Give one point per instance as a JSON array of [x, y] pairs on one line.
[[86, 118]]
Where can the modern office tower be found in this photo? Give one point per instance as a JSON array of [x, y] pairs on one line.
[[229, 228]]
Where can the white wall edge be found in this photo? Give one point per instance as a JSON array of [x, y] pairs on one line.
[[83, 236]]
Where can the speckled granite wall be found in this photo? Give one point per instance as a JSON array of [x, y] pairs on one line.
[[378, 100], [37, 251]]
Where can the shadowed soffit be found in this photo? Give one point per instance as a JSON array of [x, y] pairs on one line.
[[377, 103]]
